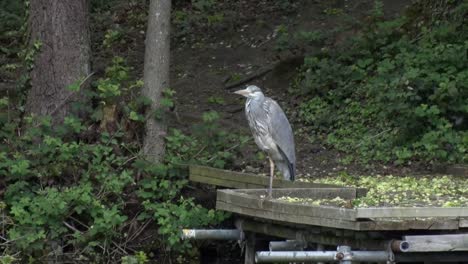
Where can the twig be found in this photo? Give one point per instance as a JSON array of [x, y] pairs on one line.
[[69, 96], [374, 136], [128, 160], [258, 74], [6, 87], [138, 232], [119, 247], [264, 42], [200, 151], [71, 227], [227, 150], [78, 221]]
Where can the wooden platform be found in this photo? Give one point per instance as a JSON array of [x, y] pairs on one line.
[[248, 201], [240, 180], [252, 202]]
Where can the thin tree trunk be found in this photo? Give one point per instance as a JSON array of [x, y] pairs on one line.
[[61, 27], [156, 74]]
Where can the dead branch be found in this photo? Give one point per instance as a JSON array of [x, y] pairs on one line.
[[251, 77]]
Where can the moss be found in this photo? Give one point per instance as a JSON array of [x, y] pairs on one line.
[[401, 191]]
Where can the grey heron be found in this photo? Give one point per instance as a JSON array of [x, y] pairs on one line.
[[272, 132]]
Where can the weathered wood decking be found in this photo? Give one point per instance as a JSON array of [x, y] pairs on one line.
[[249, 200], [239, 180], [250, 203]]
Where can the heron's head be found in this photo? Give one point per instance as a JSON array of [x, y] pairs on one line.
[[251, 91]]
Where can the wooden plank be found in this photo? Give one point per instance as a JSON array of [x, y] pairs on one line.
[[311, 234], [295, 213], [265, 228], [224, 183], [463, 223], [312, 193], [249, 257], [227, 177], [293, 209], [286, 218], [458, 170], [408, 224], [409, 212], [437, 243]]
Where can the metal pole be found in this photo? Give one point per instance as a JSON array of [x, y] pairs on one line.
[[314, 256], [288, 245], [344, 254], [212, 234], [320, 247]]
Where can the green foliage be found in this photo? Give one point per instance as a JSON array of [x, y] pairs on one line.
[[333, 11], [216, 100], [57, 187], [200, 14], [115, 85], [67, 195], [405, 191], [393, 96], [208, 145], [139, 258], [172, 217], [113, 37], [11, 15], [287, 40]]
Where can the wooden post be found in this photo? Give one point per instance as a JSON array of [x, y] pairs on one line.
[[250, 248]]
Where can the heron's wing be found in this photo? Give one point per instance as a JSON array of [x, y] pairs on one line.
[[281, 130]]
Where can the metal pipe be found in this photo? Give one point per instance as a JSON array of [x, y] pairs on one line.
[[344, 254], [398, 245], [294, 256], [434, 257], [320, 247], [287, 245], [302, 256], [212, 234]]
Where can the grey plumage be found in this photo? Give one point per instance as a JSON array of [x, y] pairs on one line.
[[271, 130]]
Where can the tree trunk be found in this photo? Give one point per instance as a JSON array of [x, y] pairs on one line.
[[156, 74], [61, 28]]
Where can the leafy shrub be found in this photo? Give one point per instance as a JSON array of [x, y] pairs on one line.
[[76, 191], [58, 192], [208, 145], [298, 40], [199, 14], [395, 92]]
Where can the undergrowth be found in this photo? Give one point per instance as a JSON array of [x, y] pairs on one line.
[[67, 197], [81, 190], [398, 91]]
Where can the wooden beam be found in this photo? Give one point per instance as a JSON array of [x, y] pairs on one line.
[[437, 243], [411, 212], [408, 224], [458, 170], [286, 218], [311, 234], [292, 209], [312, 193], [233, 179], [249, 251]]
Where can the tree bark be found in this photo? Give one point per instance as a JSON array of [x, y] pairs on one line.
[[156, 75], [61, 27]]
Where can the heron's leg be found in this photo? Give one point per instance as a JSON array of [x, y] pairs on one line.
[[272, 171]]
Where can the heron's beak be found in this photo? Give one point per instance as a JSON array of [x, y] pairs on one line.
[[244, 92]]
